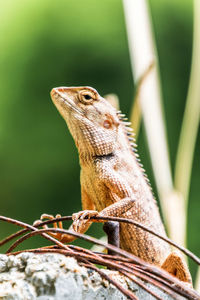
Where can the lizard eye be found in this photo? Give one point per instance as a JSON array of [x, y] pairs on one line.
[[86, 97]]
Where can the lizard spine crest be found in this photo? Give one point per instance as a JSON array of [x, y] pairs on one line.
[[130, 134]]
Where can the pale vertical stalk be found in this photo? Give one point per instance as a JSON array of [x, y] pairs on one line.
[[136, 115], [190, 125], [143, 54]]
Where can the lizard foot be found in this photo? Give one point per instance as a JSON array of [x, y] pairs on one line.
[[82, 219], [176, 265], [65, 238]]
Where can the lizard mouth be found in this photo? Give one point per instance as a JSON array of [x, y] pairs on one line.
[[59, 97]]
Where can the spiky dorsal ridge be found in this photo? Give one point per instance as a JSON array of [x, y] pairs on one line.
[[130, 134]]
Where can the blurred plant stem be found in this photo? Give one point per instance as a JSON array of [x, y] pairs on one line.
[[136, 114], [143, 54], [185, 152], [190, 124]]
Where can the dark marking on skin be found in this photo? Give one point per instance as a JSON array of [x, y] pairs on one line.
[[104, 157]]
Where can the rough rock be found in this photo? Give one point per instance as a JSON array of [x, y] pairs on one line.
[[28, 276]]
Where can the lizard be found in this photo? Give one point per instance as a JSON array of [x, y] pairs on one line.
[[113, 182]]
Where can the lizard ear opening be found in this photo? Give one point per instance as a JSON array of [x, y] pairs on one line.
[[110, 122], [107, 124]]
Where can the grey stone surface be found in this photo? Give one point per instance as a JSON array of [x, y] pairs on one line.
[[28, 276]]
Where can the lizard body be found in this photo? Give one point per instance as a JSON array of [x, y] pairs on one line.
[[113, 182]]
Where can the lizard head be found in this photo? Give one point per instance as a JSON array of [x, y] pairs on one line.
[[92, 120]]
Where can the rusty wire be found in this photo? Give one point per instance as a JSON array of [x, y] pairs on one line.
[[150, 269], [125, 263], [123, 220]]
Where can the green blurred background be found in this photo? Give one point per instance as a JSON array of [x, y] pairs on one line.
[[52, 43]]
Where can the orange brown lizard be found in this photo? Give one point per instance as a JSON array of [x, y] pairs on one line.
[[113, 183]]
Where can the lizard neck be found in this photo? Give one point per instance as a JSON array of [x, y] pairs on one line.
[[122, 145]]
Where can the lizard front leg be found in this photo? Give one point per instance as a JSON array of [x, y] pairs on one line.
[[119, 192], [117, 209]]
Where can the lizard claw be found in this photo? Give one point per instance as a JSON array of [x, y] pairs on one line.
[[37, 222], [81, 218], [55, 225]]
